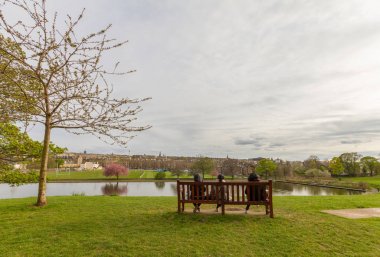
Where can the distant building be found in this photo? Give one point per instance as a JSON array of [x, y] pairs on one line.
[[89, 166], [19, 166], [255, 160]]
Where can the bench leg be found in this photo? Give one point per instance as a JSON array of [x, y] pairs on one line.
[[271, 210], [183, 206]]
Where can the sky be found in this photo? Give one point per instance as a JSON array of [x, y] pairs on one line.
[[280, 79]]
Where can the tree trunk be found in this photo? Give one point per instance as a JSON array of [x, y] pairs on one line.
[[41, 201]]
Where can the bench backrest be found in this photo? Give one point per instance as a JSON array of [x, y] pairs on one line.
[[234, 192]]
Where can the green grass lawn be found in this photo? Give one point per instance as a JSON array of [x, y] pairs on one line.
[[150, 226], [90, 175], [372, 181], [98, 175], [365, 183]]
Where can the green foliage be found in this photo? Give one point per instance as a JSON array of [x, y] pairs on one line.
[[59, 162], [266, 167], [54, 149], [203, 165], [160, 175], [16, 177], [17, 146], [317, 173], [336, 166], [312, 162], [350, 162], [15, 84], [369, 164]]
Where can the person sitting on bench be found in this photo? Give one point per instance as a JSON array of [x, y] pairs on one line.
[[254, 193], [198, 193], [222, 190]]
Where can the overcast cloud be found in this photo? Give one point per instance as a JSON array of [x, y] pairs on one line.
[[240, 78]]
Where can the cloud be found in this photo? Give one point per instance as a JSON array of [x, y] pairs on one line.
[[248, 78], [349, 142], [245, 142], [275, 145], [257, 142]]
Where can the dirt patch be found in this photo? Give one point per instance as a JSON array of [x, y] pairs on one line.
[[360, 213]]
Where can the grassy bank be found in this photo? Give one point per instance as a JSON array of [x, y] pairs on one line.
[[371, 181], [98, 175], [363, 183], [150, 226]]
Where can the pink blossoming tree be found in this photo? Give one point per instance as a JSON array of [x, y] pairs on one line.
[[115, 169]]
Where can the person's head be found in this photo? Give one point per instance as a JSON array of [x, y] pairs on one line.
[[220, 177], [197, 178], [253, 177]]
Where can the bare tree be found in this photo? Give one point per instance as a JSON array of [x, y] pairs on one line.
[[70, 83], [230, 167]]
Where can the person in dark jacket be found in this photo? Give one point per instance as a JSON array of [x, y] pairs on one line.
[[254, 193], [198, 193], [222, 190]]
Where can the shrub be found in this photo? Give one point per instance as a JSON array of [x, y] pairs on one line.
[[317, 173], [363, 185], [160, 175], [17, 177]]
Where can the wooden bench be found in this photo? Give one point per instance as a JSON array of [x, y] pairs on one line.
[[232, 193]]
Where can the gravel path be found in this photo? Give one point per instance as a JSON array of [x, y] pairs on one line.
[[360, 213]]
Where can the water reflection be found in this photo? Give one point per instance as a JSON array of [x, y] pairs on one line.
[[158, 188], [281, 188], [160, 185], [174, 188], [114, 189]]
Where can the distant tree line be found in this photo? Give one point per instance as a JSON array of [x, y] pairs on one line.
[[347, 164]]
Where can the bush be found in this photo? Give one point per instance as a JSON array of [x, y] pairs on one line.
[[300, 171], [363, 185], [16, 177], [160, 175], [317, 173]]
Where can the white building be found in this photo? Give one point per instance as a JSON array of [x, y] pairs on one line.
[[89, 166]]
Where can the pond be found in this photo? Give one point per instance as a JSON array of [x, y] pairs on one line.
[[159, 188]]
